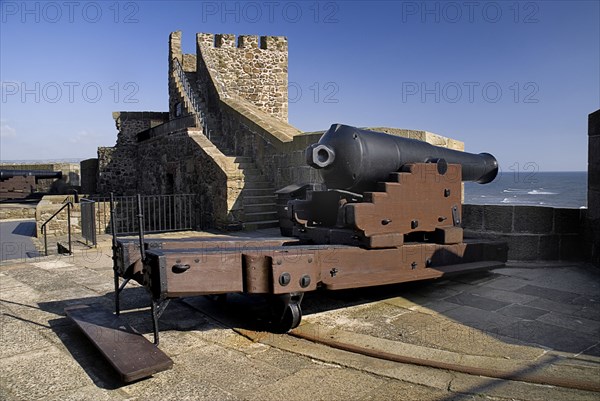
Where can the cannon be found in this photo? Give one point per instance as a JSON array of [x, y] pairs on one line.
[[388, 211], [37, 174], [356, 160], [379, 190], [18, 184]]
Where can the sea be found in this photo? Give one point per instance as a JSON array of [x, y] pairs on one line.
[[553, 189]]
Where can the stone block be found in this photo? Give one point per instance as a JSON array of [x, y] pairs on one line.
[[548, 249], [567, 221], [594, 162], [498, 218], [523, 312], [593, 213], [533, 219], [548, 293], [522, 247], [571, 247], [472, 217]]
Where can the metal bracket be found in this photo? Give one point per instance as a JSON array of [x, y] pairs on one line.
[[455, 216], [157, 308]]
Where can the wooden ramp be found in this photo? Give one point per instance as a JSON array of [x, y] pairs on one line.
[[130, 353]]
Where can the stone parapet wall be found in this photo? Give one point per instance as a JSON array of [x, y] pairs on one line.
[[532, 232], [129, 123], [57, 227], [16, 212], [188, 121]]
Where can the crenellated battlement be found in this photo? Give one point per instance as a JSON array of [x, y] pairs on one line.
[[229, 41], [252, 67]]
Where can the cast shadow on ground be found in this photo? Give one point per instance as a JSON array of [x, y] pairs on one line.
[[26, 229], [134, 311], [254, 313]]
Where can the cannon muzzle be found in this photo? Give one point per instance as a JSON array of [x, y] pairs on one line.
[[356, 160]]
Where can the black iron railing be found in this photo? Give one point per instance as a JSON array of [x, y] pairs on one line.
[[68, 204], [190, 93], [162, 213]]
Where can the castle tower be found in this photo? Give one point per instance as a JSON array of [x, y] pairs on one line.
[[251, 67]]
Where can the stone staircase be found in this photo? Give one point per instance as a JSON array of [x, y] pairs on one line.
[[258, 194]]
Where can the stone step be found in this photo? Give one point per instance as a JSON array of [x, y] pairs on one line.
[[246, 165], [258, 199], [260, 216], [258, 185], [253, 175], [259, 225], [252, 192], [260, 208]]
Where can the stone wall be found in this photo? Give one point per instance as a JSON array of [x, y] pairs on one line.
[[252, 68], [129, 123], [593, 214], [16, 212], [187, 162], [532, 232], [117, 165], [118, 171], [57, 227]]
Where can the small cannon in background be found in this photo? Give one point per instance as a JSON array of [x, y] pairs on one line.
[[389, 211], [20, 184], [36, 174]]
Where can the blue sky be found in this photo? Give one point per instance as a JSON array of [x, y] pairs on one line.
[[516, 79]]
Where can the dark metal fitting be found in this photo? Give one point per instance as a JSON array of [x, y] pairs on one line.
[[180, 268], [285, 279], [305, 281]]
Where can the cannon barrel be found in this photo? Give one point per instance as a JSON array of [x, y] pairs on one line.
[[38, 174], [355, 160]]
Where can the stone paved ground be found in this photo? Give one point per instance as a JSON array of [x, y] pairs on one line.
[[520, 313], [16, 239]]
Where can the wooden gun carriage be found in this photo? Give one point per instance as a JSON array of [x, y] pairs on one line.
[[388, 211]]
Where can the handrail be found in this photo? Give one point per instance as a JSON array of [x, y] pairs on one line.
[[190, 94], [68, 205]]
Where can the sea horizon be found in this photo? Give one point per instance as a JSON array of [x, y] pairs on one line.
[[564, 189]]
